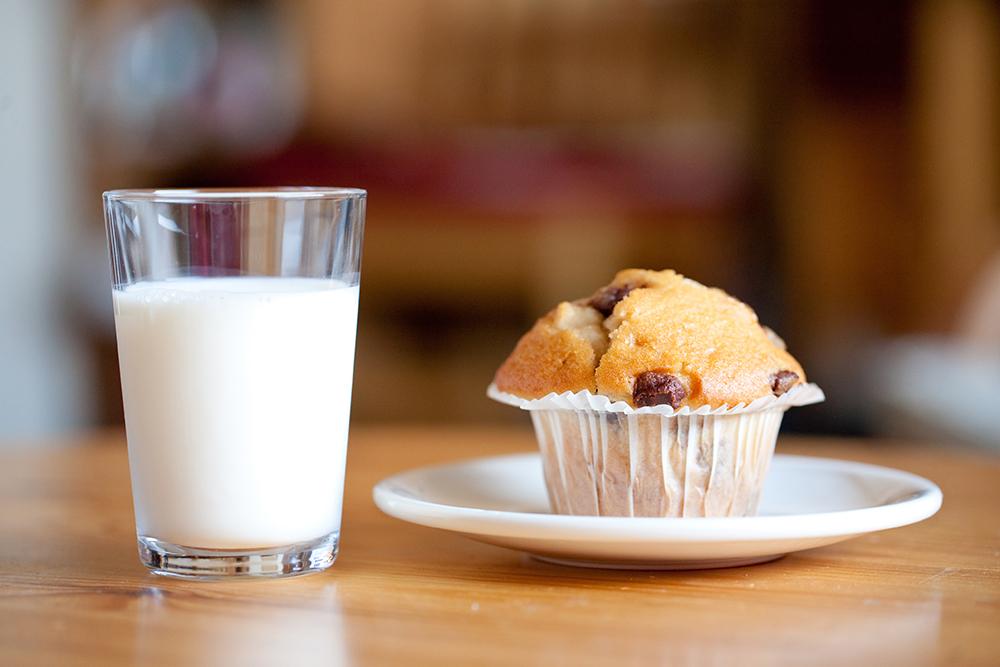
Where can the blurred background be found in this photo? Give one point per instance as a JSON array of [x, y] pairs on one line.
[[833, 164]]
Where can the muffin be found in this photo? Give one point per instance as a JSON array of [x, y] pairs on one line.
[[655, 396]]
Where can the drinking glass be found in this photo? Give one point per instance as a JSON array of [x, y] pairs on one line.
[[236, 318]]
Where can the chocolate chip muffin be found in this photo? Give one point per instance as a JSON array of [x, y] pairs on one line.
[[652, 338], [656, 396]]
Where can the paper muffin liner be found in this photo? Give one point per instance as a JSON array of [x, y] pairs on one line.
[[609, 459]]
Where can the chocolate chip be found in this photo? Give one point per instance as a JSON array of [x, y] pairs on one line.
[[782, 381], [606, 300], [655, 388]]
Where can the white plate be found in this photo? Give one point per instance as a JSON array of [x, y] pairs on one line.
[[808, 502]]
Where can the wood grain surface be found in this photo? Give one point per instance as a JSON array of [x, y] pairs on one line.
[[72, 591]]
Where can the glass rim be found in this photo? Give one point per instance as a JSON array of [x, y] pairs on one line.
[[190, 195]]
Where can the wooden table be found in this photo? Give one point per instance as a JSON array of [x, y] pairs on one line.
[[72, 590]]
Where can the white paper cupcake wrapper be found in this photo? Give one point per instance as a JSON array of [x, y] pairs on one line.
[[803, 394], [609, 459]]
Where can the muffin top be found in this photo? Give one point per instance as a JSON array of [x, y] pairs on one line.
[[652, 338]]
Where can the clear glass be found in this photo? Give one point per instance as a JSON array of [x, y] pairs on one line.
[[236, 317]]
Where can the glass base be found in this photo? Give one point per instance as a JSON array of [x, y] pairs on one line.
[[172, 560]]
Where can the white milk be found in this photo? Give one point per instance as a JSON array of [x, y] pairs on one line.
[[237, 397]]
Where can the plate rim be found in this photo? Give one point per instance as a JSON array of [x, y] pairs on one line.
[[922, 504]]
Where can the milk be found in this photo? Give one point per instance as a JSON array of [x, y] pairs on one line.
[[237, 397]]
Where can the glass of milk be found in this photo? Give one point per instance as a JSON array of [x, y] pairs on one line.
[[236, 315]]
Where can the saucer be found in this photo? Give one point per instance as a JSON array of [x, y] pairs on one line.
[[807, 502]]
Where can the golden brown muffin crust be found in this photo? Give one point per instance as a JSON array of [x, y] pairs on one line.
[[559, 353], [668, 339]]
